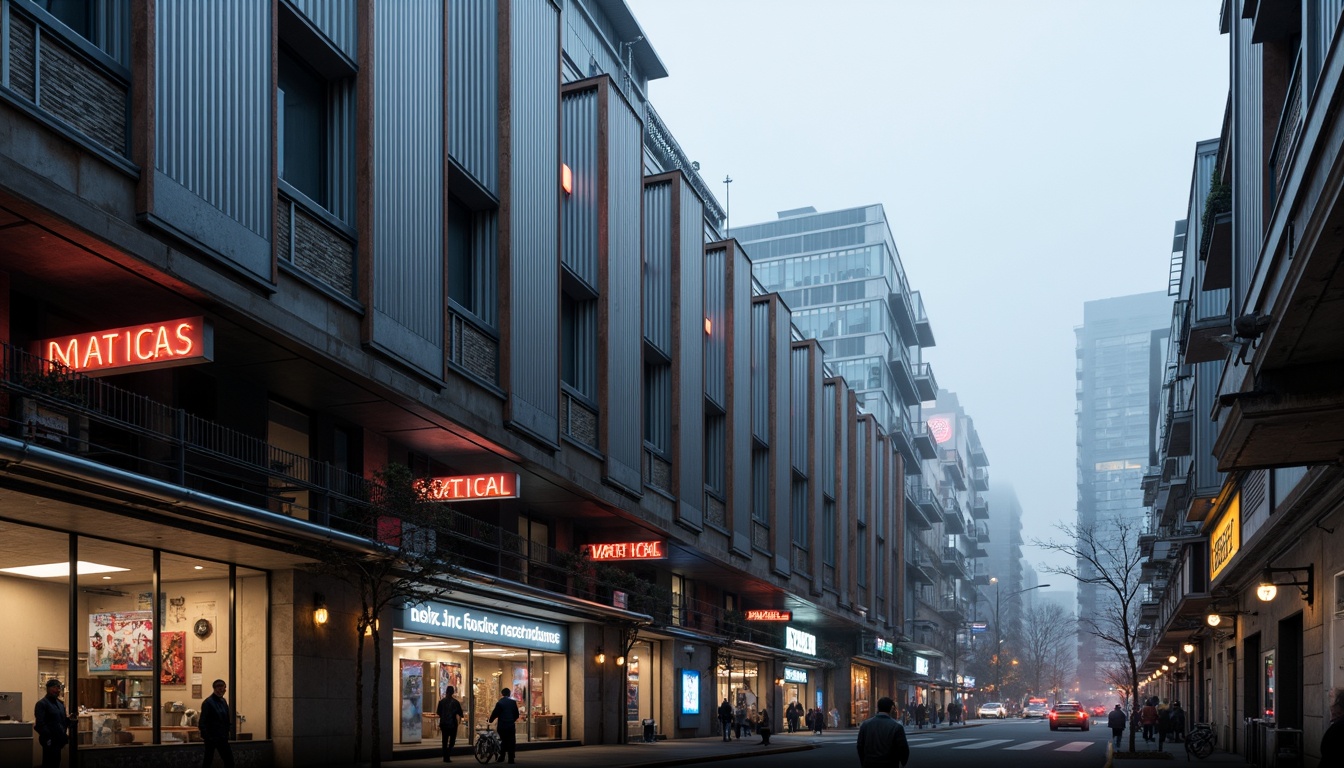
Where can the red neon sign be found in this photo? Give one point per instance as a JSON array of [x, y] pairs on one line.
[[768, 614], [625, 550], [151, 345], [499, 485]]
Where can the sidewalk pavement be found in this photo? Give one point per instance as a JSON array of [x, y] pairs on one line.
[[656, 754], [1175, 749]]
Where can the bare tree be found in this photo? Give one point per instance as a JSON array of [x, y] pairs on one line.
[[405, 562], [1046, 627], [1107, 555], [1059, 667]]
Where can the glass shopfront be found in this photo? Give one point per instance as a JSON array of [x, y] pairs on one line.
[[212, 623], [861, 693], [740, 682], [642, 674], [478, 652]]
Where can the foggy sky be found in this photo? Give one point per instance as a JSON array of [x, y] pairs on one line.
[[1030, 155]]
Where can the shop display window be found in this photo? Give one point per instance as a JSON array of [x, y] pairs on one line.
[[37, 628], [641, 677], [426, 665], [739, 682]]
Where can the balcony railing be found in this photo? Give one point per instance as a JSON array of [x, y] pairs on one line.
[[1290, 123]]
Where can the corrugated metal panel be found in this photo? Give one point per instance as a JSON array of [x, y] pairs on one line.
[[534, 87], [114, 29], [624, 266], [739, 406], [586, 47], [341, 159], [580, 211], [1207, 478], [716, 343], [688, 264], [213, 105], [861, 468], [658, 407], [408, 282], [473, 89], [1248, 192], [1331, 11], [485, 242], [658, 266], [829, 393], [760, 370], [337, 19], [800, 375]]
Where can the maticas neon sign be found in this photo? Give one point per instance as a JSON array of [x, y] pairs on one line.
[[500, 485], [768, 614], [142, 347], [626, 550]]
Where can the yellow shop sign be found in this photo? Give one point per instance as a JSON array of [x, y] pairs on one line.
[[1225, 539]]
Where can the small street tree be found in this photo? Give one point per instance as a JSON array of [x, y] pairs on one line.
[[1046, 629], [406, 561], [1106, 554]]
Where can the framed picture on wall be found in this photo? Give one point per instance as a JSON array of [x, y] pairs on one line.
[[450, 673], [412, 693]]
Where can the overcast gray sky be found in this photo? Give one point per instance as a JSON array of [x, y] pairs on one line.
[[1031, 156]]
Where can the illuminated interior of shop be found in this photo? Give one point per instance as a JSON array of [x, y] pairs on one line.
[[113, 686], [427, 665]]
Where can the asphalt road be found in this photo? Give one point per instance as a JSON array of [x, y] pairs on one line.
[[989, 743]]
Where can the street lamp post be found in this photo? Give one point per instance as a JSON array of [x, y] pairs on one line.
[[998, 633]]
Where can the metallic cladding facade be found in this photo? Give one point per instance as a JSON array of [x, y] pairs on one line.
[[1248, 124], [716, 325], [212, 144], [689, 267], [658, 264], [800, 414], [473, 90], [779, 405], [531, 246], [622, 339], [338, 21], [760, 372], [581, 212], [738, 333]]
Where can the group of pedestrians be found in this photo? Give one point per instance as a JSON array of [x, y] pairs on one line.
[[1156, 718]]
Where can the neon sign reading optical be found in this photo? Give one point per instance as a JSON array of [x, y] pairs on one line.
[[625, 550], [499, 485], [151, 345]]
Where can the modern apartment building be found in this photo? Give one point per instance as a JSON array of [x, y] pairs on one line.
[[253, 253], [1247, 566], [1121, 353], [841, 275]]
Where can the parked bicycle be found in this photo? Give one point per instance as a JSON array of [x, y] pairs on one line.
[[1200, 741], [488, 746]]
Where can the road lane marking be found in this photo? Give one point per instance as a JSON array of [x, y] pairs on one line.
[[1075, 746], [1030, 745], [984, 744], [941, 742]]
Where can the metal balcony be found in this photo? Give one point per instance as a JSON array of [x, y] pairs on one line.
[[903, 313], [903, 440], [980, 478], [903, 377], [925, 384], [953, 609], [924, 444], [953, 469], [914, 516], [923, 331], [977, 451], [953, 520], [979, 508]]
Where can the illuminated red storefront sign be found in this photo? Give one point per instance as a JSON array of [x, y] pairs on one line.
[[768, 614], [151, 345], [625, 550], [472, 487]]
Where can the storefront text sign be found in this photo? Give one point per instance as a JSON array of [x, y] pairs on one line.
[[1225, 538], [479, 624], [800, 641], [884, 645], [499, 485], [768, 614], [142, 347], [921, 665], [626, 550], [795, 675]]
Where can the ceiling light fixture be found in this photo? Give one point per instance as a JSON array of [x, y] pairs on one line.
[[56, 570]]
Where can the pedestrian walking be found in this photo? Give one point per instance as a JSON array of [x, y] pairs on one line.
[[1163, 724], [216, 725], [450, 714], [881, 741], [763, 727], [506, 712], [726, 719], [1332, 741], [921, 714], [1117, 721], [1177, 727], [739, 721], [52, 724], [1148, 718], [791, 716]]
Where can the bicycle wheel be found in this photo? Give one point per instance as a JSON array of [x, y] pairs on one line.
[[485, 750], [1203, 748]]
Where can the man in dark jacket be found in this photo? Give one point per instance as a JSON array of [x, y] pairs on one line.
[[214, 726], [52, 724], [449, 711], [1332, 741], [506, 712], [882, 741], [726, 719], [1117, 721]]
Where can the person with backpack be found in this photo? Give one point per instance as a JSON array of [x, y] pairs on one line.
[[1163, 724], [1177, 727]]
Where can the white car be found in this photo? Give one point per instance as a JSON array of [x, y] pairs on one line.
[[993, 709]]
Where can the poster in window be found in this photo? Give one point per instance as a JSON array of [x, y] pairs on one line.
[[450, 673], [632, 691], [121, 641], [173, 658], [690, 692], [412, 693], [519, 692]]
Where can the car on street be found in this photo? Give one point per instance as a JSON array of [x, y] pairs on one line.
[[993, 709], [1099, 710], [1070, 714], [1035, 709]]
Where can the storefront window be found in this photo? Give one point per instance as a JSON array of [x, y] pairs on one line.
[[427, 662], [861, 681], [114, 688], [739, 682], [640, 691]]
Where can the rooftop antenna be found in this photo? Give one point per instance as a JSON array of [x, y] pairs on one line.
[[727, 202]]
